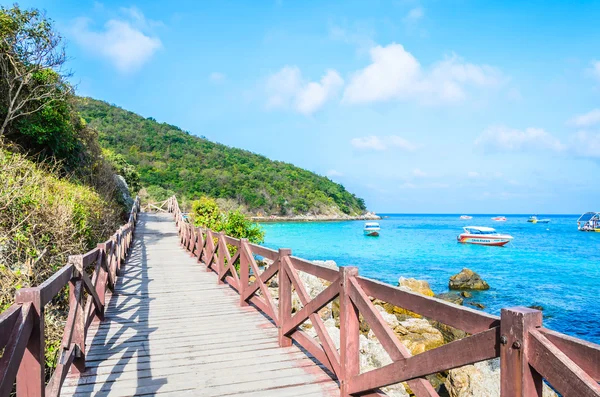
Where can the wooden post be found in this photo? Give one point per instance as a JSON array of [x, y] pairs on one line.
[[517, 378], [221, 259], [76, 303], [31, 373], [349, 331], [210, 249], [101, 279], [244, 270], [285, 296]]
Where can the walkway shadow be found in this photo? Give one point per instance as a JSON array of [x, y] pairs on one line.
[[131, 314]]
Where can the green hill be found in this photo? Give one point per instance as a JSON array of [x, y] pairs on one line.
[[170, 158]]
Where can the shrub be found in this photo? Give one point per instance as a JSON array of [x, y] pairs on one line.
[[206, 213]]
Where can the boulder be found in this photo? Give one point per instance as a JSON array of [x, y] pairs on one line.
[[451, 297], [418, 335], [466, 294], [477, 305], [123, 189], [419, 286], [449, 333], [479, 380], [467, 279]]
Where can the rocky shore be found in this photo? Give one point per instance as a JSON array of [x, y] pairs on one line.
[[418, 334], [369, 216]]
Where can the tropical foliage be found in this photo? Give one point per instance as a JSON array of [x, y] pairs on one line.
[[193, 167], [207, 214]]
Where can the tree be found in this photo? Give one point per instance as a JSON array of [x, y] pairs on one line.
[[32, 56]]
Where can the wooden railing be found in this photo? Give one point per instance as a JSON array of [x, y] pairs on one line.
[[22, 324], [529, 353]]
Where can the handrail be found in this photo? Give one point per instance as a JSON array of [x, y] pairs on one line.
[[529, 353], [22, 324]]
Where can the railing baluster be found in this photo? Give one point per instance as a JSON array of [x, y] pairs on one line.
[[244, 271], [517, 378], [349, 331], [32, 371], [76, 304], [285, 296]]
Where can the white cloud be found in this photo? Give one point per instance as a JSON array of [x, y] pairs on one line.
[[121, 41], [473, 174], [382, 143], [286, 89], [419, 173], [586, 120], [596, 69], [395, 73], [217, 77], [586, 144], [368, 143], [334, 173], [504, 139], [414, 15]]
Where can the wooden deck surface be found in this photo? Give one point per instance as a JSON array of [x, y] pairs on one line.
[[171, 330]]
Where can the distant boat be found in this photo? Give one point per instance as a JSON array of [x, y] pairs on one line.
[[372, 229], [589, 222], [499, 219], [466, 217], [483, 236], [534, 219]]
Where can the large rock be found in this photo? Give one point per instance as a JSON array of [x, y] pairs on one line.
[[468, 279], [418, 335], [451, 297], [419, 286], [479, 380], [124, 193]]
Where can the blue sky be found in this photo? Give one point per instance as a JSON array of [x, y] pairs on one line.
[[417, 106]]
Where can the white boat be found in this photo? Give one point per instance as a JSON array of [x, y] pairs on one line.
[[466, 217], [372, 229], [483, 236], [589, 222], [499, 218]]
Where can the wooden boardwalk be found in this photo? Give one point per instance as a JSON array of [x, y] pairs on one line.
[[169, 329]]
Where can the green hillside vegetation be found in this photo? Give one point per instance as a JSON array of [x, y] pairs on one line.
[[170, 160], [58, 194]]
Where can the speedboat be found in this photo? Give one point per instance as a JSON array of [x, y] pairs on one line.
[[499, 219], [466, 217], [534, 219], [483, 236], [372, 229]]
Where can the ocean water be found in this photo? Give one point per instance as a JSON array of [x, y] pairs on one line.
[[551, 265]]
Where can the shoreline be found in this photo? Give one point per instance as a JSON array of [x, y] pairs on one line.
[[315, 218]]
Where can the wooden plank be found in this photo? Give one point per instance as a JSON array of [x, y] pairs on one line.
[[583, 353], [475, 348], [8, 318], [558, 369], [469, 320], [316, 321], [319, 271], [390, 342], [14, 350], [52, 286]]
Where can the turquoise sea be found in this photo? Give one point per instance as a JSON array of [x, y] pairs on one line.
[[551, 265]]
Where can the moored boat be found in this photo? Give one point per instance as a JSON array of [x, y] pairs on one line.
[[534, 219], [372, 229], [483, 236], [589, 222], [466, 217], [499, 218]]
